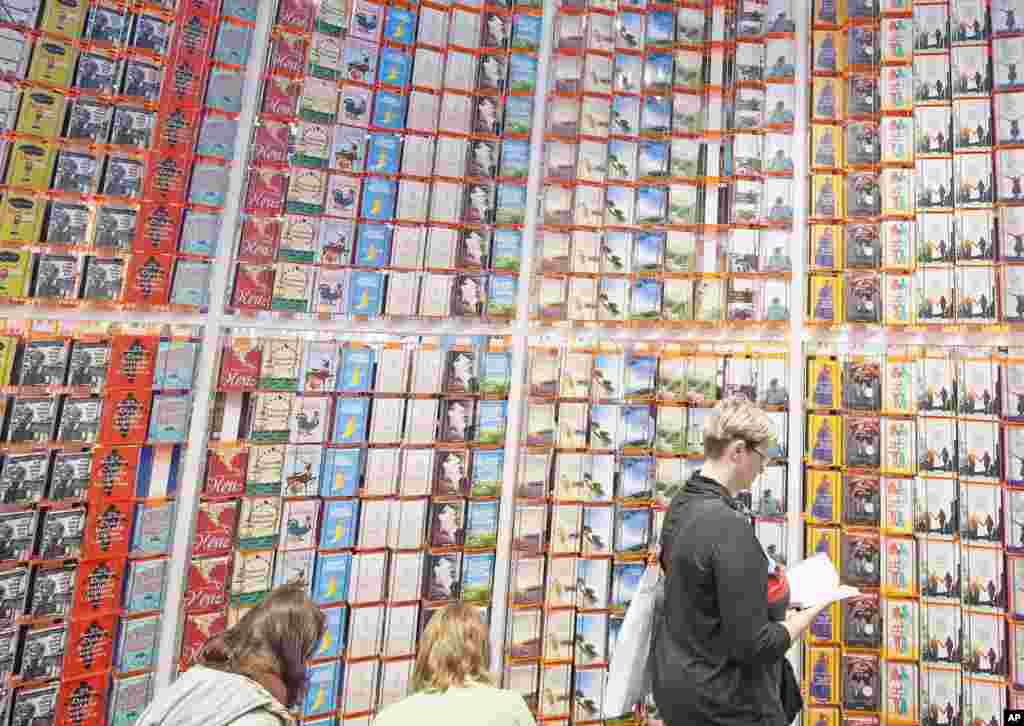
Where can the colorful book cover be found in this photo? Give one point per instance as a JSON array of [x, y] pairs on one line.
[[322, 692], [350, 420], [169, 418], [331, 578], [99, 586], [145, 584], [332, 645], [129, 697], [481, 524], [355, 372], [153, 530], [342, 471], [487, 473], [340, 520], [226, 469], [207, 583], [90, 646]]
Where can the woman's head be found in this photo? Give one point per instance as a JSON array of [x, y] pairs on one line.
[[454, 650], [737, 436], [274, 639]]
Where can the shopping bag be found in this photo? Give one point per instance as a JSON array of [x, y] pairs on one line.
[[630, 672]]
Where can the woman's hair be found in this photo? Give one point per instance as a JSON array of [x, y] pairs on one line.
[[454, 650], [735, 419], [277, 637]]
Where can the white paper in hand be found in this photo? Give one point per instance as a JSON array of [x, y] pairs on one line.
[[812, 581]]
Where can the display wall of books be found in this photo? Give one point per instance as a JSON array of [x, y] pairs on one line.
[[915, 154], [668, 161], [119, 126], [369, 467], [612, 432], [94, 436], [389, 164], [913, 482]]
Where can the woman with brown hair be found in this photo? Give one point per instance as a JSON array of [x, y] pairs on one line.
[[250, 674], [451, 684]]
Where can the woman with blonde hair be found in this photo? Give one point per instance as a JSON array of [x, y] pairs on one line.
[[451, 683], [252, 673]]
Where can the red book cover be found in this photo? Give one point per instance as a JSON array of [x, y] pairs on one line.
[[225, 472], [83, 701], [266, 193], [158, 228], [281, 95], [207, 587], [167, 176], [199, 627], [215, 528], [254, 287], [133, 361], [195, 33], [240, 365], [203, 8], [296, 13], [90, 645], [259, 239], [126, 417], [176, 127], [270, 145], [108, 530], [187, 78], [288, 54], [149, 279], [98, 589], [114, 469]]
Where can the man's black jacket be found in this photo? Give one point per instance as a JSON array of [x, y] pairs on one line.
[[717, 651]]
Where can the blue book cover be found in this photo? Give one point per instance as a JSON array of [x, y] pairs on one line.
[[522, 72], [395, 67], [637, 427], [389, 110], [176, 365], [640, 375], [355, 374], [153, 529], [145, 582], [633, 528], [129, 697], [373, 245], [333, 643], [482, 524], [137, 644], [478, 577], [492, 419], [400, 25], [625, 581], [383, 153], [637, 479], [488, 471], [379, 196], [515, 159], [511, 205], [350, 418], [341, 520], [322, 691], [200, 233], [518, 114], [233, 44], [526, 31], [342, 470], [241, 9], [191, 284], [507, 249], [502, 291], [330, 579], [366, 293]]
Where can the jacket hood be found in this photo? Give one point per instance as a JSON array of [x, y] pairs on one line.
[[208, 697]]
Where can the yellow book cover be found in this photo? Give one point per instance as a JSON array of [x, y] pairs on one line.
[[827, 196], [898, 441], [53, 63], [826, 100], [899, 566], [829, 52], [824, 440], [825, 628], [14, 272], [31, 165], [823, 540], [825, 299], [816, 716], [8, 351], [65, 17], [822, 675], [899, 308], [826, 247], [901, 690], [823, 383], [41, 113], [21, 218], [826, 147], [828, 13], [898, 386], [822, 496]]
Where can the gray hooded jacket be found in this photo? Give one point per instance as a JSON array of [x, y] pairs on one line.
[[207, 697]]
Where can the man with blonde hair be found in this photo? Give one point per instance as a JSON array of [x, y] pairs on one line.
[[719, 646]]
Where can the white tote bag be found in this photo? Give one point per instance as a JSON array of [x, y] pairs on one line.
[[630, 672]]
